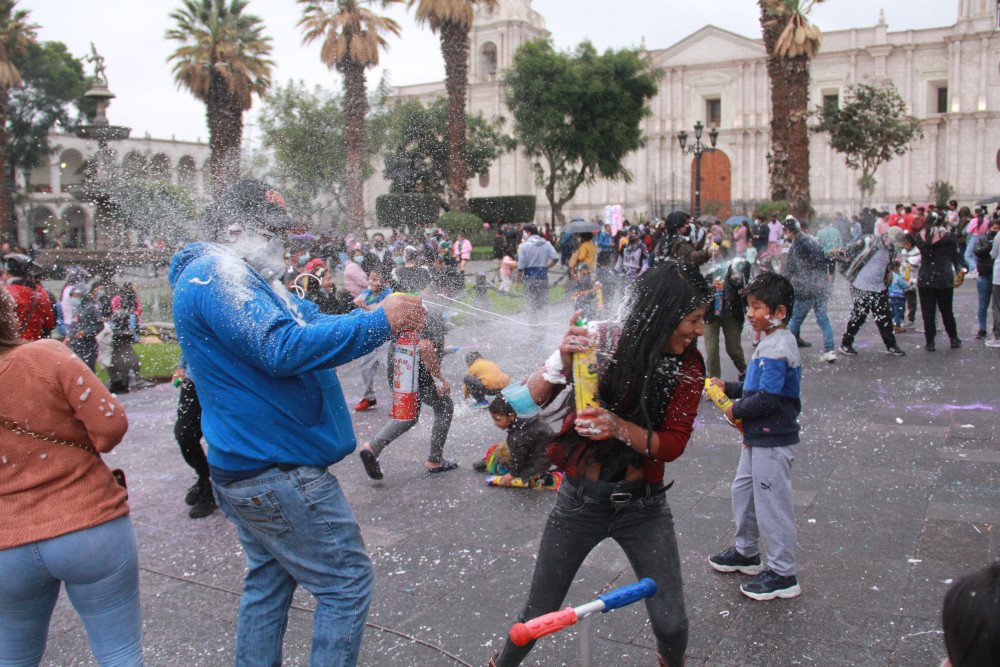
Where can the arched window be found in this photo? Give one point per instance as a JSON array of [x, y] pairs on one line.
[[187, 173], [488, 62], [134, 165], [484, 179], [70, 168], [159, 168]]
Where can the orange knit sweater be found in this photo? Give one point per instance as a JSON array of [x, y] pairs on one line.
[[49, 489]]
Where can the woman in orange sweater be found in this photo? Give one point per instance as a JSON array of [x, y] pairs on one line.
[[64, 518]]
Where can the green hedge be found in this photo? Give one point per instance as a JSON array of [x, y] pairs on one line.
[[466, 223], [498, 210], [413, 210]]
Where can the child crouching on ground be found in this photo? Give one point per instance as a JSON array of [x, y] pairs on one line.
[[523, 456], [483, 378], [768, 405]]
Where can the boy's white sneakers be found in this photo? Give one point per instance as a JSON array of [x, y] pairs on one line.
[[829, 357]]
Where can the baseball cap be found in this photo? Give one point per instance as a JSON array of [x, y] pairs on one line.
[[250, 202]]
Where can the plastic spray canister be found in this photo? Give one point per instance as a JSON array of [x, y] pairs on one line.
[[585, 376], [599, 294], [717, 297], [717, 396], [405, 373]]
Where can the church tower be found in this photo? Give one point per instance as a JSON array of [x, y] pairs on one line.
[[980, 11], [496, 35]]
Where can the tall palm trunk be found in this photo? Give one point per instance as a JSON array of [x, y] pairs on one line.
[[6, 223], [355, 108], [799, 199], [225, 132], [779, 108], [789, 79], [455, 50]]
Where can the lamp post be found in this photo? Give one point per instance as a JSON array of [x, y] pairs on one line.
[[697, 149]]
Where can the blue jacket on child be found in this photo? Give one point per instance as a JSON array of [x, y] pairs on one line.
[[263, 360], [768, 400]]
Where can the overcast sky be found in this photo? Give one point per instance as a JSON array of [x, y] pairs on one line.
[[129, 34]]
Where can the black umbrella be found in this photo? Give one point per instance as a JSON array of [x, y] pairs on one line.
[[988, 201], [581, 226]]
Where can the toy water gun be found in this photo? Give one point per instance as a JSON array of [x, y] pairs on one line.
[[523, 633], [599, 295], [585, 376], [717, 396]]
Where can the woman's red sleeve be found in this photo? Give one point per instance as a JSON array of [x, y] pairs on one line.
[[674, 433]]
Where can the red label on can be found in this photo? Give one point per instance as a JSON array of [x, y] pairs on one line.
[[405, 372]]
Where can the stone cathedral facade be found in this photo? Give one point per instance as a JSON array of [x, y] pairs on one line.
[[950, 77]]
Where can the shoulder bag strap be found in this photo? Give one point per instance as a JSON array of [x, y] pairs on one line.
[[17, 429]]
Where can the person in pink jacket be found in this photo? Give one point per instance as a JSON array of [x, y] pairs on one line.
[[355, 278], [462, 251]]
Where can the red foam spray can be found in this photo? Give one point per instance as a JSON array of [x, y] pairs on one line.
[[405, 372]]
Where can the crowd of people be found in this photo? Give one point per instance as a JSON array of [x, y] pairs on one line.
[[263, 325]]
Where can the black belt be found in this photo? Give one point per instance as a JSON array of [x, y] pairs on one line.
[[617, 494], [285, 467]]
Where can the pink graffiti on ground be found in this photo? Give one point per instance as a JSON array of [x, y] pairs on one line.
[[936, 410]]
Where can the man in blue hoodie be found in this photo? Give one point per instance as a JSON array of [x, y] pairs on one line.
[[275, 419]]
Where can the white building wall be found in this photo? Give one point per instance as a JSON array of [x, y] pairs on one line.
[[960, 146]]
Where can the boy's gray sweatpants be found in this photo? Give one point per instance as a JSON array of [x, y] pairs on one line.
[[762, 505]]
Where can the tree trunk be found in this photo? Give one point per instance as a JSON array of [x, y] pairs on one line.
[[778, 168], [355, 108], [6, 224], [225, 133], [797, 76], [455, 50]]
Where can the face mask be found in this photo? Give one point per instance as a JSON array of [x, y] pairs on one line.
[[76, 302], [266, 256], [100, 294], [303, 259], [359, 258], [398, 261], [379, 245]]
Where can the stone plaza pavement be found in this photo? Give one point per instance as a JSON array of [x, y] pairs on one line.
[[897, 489]]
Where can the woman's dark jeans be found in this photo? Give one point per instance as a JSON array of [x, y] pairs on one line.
[[933, 299], [582, 518]]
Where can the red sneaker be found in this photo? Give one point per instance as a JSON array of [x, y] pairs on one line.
[[365, 404]]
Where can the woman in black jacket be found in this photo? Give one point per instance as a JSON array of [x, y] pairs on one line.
[[936, 279]]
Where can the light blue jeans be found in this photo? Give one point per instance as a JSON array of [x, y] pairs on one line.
[[970, 257], [801, 308], [296, 527], [100, 568], [984, 292]]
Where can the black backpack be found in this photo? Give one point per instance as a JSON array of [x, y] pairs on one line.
[[982, 251]]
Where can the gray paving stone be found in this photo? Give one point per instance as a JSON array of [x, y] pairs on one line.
[[454, 559]]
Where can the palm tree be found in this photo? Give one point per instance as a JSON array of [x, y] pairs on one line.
[[352, 36], [223, 60], [791, 41], [452, 19], [15, 36]]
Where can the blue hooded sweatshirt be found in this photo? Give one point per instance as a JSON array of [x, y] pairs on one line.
[[263, 362]]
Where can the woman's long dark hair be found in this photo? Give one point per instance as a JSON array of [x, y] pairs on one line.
[[654, 307]]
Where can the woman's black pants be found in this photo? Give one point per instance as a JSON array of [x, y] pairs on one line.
[[933, 299], [583, 517]]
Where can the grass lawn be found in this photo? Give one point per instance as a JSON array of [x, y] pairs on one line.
[[158, 361]]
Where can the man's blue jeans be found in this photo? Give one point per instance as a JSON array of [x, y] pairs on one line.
[[100, 567], [296, 527], [801, 308]]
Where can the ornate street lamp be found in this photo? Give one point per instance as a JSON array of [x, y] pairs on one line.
[[697, 149]]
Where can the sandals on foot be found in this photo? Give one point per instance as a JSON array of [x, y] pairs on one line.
[[445, 466], [370, 461]]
